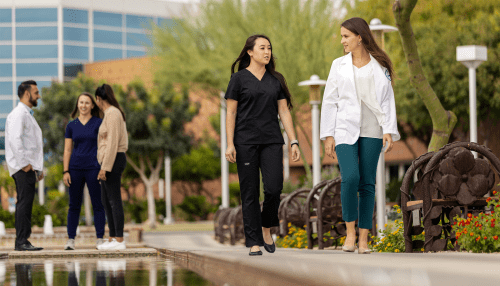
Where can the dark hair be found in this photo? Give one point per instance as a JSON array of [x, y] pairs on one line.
[[24, 86], [105, 92], [96, 111], [243, 61], [358, 26]]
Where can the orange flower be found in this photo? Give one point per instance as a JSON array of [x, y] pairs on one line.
[[469, 215], [494, 192], [485, 238], [492, 212], [488, 199], [478, 238], [495, 237], [471, 234]]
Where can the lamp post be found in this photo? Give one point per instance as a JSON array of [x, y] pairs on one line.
[[472, 57], [168, 191], [378, 30], [314, 84], [223, 147]]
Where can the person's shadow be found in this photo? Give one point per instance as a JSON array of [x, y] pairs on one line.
[[24, 275]]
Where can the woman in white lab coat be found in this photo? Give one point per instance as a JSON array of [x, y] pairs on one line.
[[358, 116]]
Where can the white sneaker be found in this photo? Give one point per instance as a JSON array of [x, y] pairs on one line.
[[70, 245], [114, 245], [100, 241], [104, 244]]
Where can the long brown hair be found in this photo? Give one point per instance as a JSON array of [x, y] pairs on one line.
[[96, 111], [358, 26], [243, 61], [105, 92]]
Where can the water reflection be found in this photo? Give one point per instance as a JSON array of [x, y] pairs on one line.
[[101, 272]]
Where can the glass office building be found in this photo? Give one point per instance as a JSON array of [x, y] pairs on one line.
[[49, 40]]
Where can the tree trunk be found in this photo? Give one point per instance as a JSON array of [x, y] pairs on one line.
[[443, 121], [151, 205]]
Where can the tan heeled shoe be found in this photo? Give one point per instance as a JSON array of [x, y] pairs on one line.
[[348, 248], [364, 251]]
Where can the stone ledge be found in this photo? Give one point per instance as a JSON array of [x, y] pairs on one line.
[[80, 253]]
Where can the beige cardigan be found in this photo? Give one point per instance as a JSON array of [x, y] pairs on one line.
[[112, 139]]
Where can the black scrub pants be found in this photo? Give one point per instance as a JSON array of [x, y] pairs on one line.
[[111, 195], [269, 159], [25, 188]]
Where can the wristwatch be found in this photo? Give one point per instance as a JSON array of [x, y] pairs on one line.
[[294, 142]]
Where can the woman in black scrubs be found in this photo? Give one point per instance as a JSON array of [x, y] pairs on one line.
[[256, 94]]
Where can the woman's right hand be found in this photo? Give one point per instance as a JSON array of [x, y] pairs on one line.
[[329, 148], [67, 179], [231, 154]]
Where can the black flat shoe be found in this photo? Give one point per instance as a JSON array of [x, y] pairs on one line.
[[270, 247], [254, 253], [27, 247]]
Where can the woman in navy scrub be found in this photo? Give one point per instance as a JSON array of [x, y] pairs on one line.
[[81, 166], [255, 96]]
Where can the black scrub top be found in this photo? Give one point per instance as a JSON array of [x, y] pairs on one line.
[[257, 112]]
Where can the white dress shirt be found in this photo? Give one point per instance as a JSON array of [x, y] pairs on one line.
[[341, 110], [372, 115], [23, 140]]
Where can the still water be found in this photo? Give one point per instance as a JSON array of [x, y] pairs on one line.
[[100, 272]]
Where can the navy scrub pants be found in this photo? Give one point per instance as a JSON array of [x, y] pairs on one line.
[[250, 159], [358, 169], [78, 180]]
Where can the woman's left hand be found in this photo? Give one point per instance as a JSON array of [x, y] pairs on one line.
[[387, 138], [295, 153], [102, 175]]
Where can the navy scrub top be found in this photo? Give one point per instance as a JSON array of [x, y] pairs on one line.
[[84, 155], [257, 111]]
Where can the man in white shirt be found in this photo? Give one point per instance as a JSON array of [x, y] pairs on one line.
[[24, 156]]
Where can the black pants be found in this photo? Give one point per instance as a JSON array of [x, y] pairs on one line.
[[269, 159], [24, 273], [112, 196], [25, 188]]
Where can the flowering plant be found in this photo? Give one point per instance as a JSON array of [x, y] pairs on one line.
[[296, 238], [392, 240], [477, 233]]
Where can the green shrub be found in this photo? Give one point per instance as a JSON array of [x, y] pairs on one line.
[[7, 218], [296, 238], [196, 207], [135, 210]]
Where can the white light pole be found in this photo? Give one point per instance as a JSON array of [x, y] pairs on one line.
[[378, 30], [472, 57], [223, 146], [168, 191], [314, 84]]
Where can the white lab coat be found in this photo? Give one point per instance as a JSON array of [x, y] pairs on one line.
[[23, 140], [341, 111]]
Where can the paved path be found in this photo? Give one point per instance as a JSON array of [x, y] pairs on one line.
[[232, 264]]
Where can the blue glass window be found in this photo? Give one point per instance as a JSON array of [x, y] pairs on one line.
[[76, 34], [2, 147], [72, 70], [5, 15], [5, 88], [108, 37], [5, 106], [2, 124], [36, 33], [5, 52], [101, 54], [138, 22], [36, 51], [45, 69], [76, 52], [6, 70], [134, 39], [36, 15], [166, 22], [75, 16], [131, 54], [107, 19], [5, 33]]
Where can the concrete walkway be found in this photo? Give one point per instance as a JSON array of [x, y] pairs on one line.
[[222, 264]]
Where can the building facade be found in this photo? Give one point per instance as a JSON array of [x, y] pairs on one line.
[[50, 40]]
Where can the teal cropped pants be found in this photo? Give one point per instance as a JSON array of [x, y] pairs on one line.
[[358, 169]]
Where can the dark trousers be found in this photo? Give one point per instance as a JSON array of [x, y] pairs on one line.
[[112, 196], [78, 180], [269, 159], [25, 188], [358, 169], [24, 273]]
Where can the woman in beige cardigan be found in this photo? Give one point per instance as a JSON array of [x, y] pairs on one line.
[[112, 144]]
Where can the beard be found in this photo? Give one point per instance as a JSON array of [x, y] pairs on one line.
[[33, 102]]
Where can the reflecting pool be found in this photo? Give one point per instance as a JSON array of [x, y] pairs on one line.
[[101, 272]]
